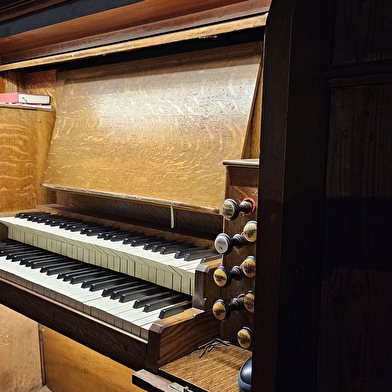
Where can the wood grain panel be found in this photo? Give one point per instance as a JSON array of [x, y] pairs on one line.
[[216, 371], [71, 366], [143, 19], [24, 143], [356, 353], [162, 127], [363, 31], [20, 359]]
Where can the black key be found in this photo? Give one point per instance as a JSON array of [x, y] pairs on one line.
[[91, 227], [41, 219], [134, 294], [128, 240], [79, 278], [199, 255], [154, 305], [109, 233], [88, 282], [10, 249], [99, 230], [38, 262], [123, 235], [38, 255], [175, 309], [109, 290], [78, 226], [18, 256], [53, 222], [174, 248], [108, 283], [156, 242], [159, 247], [60, 269], [141, 241], [208, 258], [181, 253], [141, 301], [8, 242], [66, 275], [67, 224], [87, 268], [30, 215], [38, 217], [122, 292]]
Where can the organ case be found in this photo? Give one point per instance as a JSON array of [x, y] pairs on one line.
[[152, 160]]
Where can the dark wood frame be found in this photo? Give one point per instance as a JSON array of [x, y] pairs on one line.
[[292, 194]]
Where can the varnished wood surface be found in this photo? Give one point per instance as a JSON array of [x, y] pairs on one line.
[[357, 279], [162, 127], [20, 356], [295, 117], [362, 33], [204, 32], [70, 366], [24, 143], [142, 19], [216, 371]]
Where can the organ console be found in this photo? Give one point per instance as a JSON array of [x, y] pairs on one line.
[[123, 254], [148, 99]]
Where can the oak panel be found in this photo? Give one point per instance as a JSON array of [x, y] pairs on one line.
[[355, 349], [162, 127], [24, 143]]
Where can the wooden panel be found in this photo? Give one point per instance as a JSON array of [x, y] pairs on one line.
[[70, 366], [24, 143], [20, 359], [42, 82], [162, 127], [363, 31], [291, 195], [143, 19], [357, 280]]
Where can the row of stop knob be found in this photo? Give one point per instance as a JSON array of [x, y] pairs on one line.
[[223, 277]]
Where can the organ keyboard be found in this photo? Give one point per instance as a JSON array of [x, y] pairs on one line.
[[138, 293], [127, 252], [126, 302]]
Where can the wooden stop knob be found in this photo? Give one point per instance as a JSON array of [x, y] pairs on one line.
[[245, 337], [248, 267], [250, 231]]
